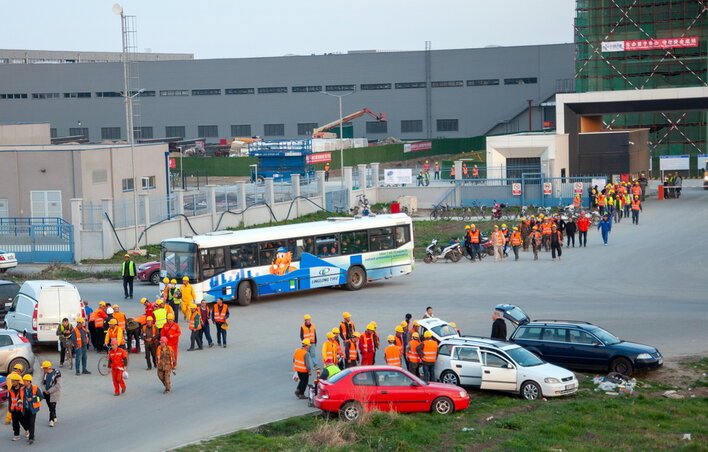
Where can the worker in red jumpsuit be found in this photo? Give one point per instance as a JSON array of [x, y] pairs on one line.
[[172, 332], [366, 346], [117, 362]]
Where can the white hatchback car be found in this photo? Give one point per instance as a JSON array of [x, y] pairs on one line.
[[440, 329], [501, 366], [7, 260]]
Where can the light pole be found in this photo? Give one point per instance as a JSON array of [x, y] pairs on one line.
[[341, 131]]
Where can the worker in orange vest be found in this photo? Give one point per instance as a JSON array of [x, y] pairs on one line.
[[636, 207], [601, 202], [15, 403], [307, 331], [376, 341], [172, 332], [393, 352], [475, 172], [80, 340], [516, 242], [577, 202], [346, 328], [412, 353], [329, 349], [366, 346], [428, 352], [99, 326], [498, 241], [452, 173], [118, 363], [120, 317], [302, 365], [351, 350], [465, 171], [114, 332], [536, 239], [219, 313], [340, 352], [195, 326]]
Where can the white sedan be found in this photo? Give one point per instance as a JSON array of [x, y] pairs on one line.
[[7, 260]]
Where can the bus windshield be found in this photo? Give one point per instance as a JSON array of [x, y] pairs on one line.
[[179, 259]]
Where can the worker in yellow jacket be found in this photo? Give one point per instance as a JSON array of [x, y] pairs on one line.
[[187, 295]]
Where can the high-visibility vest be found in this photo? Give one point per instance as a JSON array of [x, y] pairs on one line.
[[194, 322], [220, 313], [393, 355], [329, 351], [353, 353], [366, 343], [498, 238], [430, 351], [452, 171], [79, 342], [92, 317], [475, 172], [114, 333], [636, 204], [601, 200], [546, 227], [515, 238], [576, 203], [36, 403], [399, 342], [17, 399], [308, 333], [346, 329], [299, 360], [464, 170], [100, 318], [131, 268], [536, 237], [332, 370], [636, 190], [412, 354], [120, 317], [160, 317], [474, 236]]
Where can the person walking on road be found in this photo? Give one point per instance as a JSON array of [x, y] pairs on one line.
[[79, 341], [428, 352], [18, 370], [64, 333], [605, 226], [536, 239], [498, 326], [556, 242], [516, 241], [570, 230], [33, 397], [172, 332], [678, 182], [636, 207], [195, 326], [307, 331], [220, 312], [473, 237], [366, 346], [151, 338], [16, 400], [498, 242], [205, 314], [51, 389], [187, 295], [165, 364], [127, 271], [117, 362], [302, 365], [583, 226]]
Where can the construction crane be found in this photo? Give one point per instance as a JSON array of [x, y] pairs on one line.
[[321, 132]]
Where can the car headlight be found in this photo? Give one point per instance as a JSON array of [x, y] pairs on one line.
[[644, 356], [551, 380], [463, 394], [324, 396]]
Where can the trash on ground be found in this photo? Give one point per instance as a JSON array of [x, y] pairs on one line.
[[687, 436], [615, 383], [467, 429], [489, 418], [672, 395]]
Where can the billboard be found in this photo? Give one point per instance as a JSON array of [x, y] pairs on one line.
[[650, 44], [321, 157], [674, 162], [420, 146], [398, 176]]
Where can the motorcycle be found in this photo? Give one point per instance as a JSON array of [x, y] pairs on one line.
[[452, 252], [497, 210]]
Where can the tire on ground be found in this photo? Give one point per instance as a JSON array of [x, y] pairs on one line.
[[245, 293], [356, 278]]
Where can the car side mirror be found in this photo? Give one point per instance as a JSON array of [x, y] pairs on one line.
[[596, 344], [414, 384]]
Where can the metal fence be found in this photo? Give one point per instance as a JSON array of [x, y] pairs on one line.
[[532, 189], [336, 200], [309, 187], [195, 203], [37, 239], [91, 216], [162, 207], [227, 198], [282, 191]]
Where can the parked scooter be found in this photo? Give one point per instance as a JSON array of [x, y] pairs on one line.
[[433, 252]]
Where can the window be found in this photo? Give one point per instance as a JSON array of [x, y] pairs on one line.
[[174, 92], [410, 85], [143, 93], [81, 131], [483, 82], [403, 235], [530, 333], [179, 259], [304, 245], [492, 360], [381, 239], [208, 131], [392, 378], [520, 81], [128, 184], [147, 182], [467, 354], [376, 126], [109, 94], [8, 291], [267, 250], [411, 125], [554, 334], [206, 92], [340, 87], [307, 89], [326, 245], [274, 130], [110, 133], [175, 131], [273, 90], [354, 242], [364, 379], [142, 133], [445, 350], [77, 95], [14, 96], [45, 203], [45, 96], [244, 256], [5, 340], [374, 86], [305, 128], [99, 176], [211, 261], [447, 125], [53, 132], [240, 91], [581, 337], [241, 130], [447, 84]]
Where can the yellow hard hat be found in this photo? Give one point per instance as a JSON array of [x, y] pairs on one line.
[[305, 342], [398, 329], [101, 303], [503, 225], [46, 364], [307, 317], [453, 324], [113, 322], [166, 280], [19, 367], [515, 228], [375, 324], [14, 376], [149, 318], [404, 324], [185, 278], [391, 338], [356, 334], [370, 327], [224, 326], [473, 225], [467, 227], [170, 316], [115, 306], [159, 301], [173, 281], [126, 255], [346, 315], [496, 226], [415, 323], [523, 218], [80, 319], [415, 334], [330, 335], [193, 306], [427, 334], [143, 300], [27, 377], [335, 330]]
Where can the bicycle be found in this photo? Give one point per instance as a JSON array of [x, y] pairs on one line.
[[440, 211], [103, 368], [68, 354]]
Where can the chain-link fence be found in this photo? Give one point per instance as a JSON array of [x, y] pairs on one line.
[[91, 216]]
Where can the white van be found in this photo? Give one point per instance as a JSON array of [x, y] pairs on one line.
[[39, 307]]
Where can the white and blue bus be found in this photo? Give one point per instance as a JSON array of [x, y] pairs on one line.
[[242, 265]]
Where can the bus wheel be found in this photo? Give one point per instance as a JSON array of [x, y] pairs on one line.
[[356, 278], [245, 293]]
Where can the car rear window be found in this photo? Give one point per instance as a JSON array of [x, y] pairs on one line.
[[444, 350], [339, 375], [364, 379], [5, 340]]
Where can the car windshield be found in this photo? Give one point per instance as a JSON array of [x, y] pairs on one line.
[[444, 330], [179, 260], [607, 338], [338, 376], [523, 357]]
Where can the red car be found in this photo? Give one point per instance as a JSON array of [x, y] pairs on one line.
[[3, 389], [150, 272], [386, 388]]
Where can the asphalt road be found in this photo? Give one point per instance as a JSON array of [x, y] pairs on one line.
[[649, 285]]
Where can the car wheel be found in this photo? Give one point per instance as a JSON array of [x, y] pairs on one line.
[[450, 378], [245, 293], [621, 366], [350, 411], [356, 278], [155, 278], [442, 405], [531, 391], [3, 270], [21, 361]]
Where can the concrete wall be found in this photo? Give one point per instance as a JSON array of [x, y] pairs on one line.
[[550, 147], [36, 133]]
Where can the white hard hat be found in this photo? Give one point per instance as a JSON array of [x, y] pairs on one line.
[[109, 311]]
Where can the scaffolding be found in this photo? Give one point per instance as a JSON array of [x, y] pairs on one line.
[[608, 21]]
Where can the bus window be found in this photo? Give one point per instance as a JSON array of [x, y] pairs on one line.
[[179, 259], [354, 242], [267, 250], [403, 235], [212, 262], [327, 245], [381, 239], [243, 256], [299, 246]]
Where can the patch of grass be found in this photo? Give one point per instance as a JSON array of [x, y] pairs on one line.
[[56, 271], [699, 365], [153, 253], [444, 230]]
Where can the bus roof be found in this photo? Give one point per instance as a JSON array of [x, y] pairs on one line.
[[329, 226]]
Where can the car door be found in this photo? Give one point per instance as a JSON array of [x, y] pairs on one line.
[[498, 373], [586, 350], [19, 317], [364, 389], [7, 350], [396, 391], [555, 347], [466, 364]]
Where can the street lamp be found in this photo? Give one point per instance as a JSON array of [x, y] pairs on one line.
[[341, 131]]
